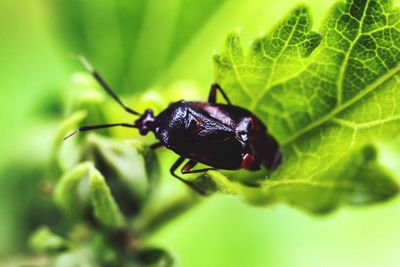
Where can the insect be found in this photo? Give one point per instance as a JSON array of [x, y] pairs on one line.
[[221, 136]]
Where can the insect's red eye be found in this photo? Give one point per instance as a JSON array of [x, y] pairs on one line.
[[250, 163]]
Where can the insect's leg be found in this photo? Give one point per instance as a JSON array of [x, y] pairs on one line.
[[100, 126], [277, 160], [156, 145], [175, 166], [212, 97], [103, 84], [187, 168]]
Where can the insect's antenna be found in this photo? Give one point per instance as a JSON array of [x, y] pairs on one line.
[[103, 84], [100, 126]]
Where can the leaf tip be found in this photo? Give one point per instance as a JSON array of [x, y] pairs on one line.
[[233, 37], [301, 8]]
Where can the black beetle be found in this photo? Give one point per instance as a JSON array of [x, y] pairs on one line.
[[222, 136]]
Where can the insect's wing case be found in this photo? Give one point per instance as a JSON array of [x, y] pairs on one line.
[[194, 135]]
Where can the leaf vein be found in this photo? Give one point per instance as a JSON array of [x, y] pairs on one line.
[[335, 111], [274, 64], [344, 64]]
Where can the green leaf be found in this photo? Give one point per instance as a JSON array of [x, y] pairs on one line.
[[61, 156], [43, 240], [151, 163], [80, 256], [84, 188], [358, 180], [105, 208], [120, 161], [71, 193], [132, 170], [324, 97], [131, 29], [154, 257]]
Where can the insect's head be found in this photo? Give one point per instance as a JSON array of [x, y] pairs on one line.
[[146, 122]]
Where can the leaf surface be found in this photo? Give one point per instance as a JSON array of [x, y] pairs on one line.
[[105, 207], [84, 189], [325, 97]]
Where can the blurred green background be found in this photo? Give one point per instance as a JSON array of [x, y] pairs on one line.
[[138, 45]]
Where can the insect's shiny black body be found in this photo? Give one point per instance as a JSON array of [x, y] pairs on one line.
[[216, 135], [222, 136]]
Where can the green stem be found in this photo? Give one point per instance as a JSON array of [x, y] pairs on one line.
[[157, 215]]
